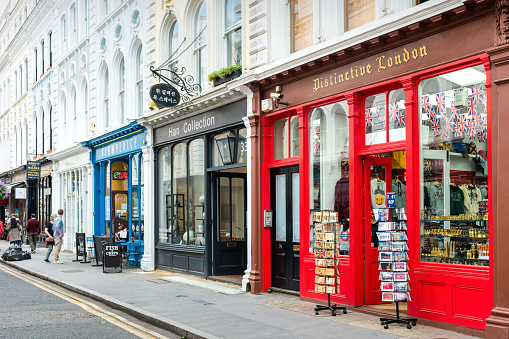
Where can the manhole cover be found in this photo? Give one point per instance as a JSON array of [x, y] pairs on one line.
[[275, 302], [203, 302], [72, 271], [159, 281]]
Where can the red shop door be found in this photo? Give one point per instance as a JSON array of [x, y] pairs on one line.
[[377, 182]]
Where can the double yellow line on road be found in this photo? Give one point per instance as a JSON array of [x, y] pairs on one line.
[[90, 307]]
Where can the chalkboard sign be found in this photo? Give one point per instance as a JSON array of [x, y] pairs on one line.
[[98, 245], [112, 257], [81, 248]]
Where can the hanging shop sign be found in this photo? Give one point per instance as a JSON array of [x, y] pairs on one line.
[[217, 118], [184, 83], [164, 95], [119, 175], [33, 170]]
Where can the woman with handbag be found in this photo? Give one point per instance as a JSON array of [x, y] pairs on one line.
[[49, 239]]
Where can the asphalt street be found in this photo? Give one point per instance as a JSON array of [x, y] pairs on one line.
[[34, 308]]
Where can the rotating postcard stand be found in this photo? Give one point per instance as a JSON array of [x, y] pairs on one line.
[[326, 250], [393, 259]]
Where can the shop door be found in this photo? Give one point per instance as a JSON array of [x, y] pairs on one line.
[[285, 228], [229, 220], [119, 212], [377, 182]]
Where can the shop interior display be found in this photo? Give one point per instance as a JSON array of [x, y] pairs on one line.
[[393, 258], [326, 250], [454, 176]]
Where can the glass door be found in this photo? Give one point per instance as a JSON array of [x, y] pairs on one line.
[[285, 230]]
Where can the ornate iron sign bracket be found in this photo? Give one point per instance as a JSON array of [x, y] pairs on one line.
[[183, 83]]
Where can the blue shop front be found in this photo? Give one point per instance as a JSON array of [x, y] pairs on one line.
[[118, 182]]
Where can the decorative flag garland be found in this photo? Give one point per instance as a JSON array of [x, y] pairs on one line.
[[393, 112], [400, 122], [441, 103], [368, 115], [478, 95]]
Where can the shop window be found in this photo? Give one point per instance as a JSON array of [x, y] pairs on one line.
[[359, 12], [302, 24], [286, 137], [229, 148], [181, 185], [454, 168], [384, 117], [329, 166]]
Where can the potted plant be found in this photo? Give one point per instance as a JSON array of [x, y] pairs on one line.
[[225, 74]]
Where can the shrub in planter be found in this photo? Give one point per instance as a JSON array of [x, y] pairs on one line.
[[225, 74]]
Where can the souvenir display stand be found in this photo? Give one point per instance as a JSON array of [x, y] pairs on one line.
[[326, 250], [393, 259]]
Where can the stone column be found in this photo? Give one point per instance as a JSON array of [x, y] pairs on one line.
[[148, 260], [88, 202]]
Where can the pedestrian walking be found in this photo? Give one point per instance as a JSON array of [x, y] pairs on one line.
[[49, 232], [33, 231], [14, 228], [58, 233]]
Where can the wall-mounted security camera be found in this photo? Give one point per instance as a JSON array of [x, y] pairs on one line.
[[276, 97]]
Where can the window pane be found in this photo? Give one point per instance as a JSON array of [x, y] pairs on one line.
[[234, 43], [233, 12], [302, 15], [134, 170], [328, 165], [196, 190], [294, 136], [281, 207], [359, 12], [281, 139], [242, 146], [397, 119], [454, 168], [224, 209], [179, 191], [238, 209], [164, 190], [374, 119], [295, 207], [174, 40]]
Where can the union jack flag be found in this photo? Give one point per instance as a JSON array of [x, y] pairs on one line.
[[472, 132], [446, 126], [369, 117], [483, 135], [435, 126], [472, 107], [393, 111], [426, 105], [316, 139], [477, 121], [457, 130], [463, 122], [441, 103], [478, 93], [455, 113], [400, 119]]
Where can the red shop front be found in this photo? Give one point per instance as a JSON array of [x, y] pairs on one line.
[[407, 119]]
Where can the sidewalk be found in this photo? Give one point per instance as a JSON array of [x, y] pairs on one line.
[[201, 308]]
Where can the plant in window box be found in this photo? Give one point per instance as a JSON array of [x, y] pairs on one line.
[[3, 191], [225, 74]]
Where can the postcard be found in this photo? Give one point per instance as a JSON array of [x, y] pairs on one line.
[[333, 217], [325, 216], [400, 276], [401, 286], [318, 217], [400, 296], [385, 246], [387, 296], [330, 281], [399, 236], [387, 286], [319, 280], [385, 256], [320, 288], [400, 256], [386, 276], [401, 226], [399, 246], [386, 226], [384, 236], [381, 214], [385, 266], [399, 267]]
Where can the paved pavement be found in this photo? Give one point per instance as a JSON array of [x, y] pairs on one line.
[[205, 309]]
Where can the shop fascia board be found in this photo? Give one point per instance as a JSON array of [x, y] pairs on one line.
[[354, 37], [68, 152], [210, 100]]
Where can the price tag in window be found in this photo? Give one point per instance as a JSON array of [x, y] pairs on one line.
[[391, 200]]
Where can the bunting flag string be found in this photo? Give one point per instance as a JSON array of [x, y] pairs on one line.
[[368, 117]]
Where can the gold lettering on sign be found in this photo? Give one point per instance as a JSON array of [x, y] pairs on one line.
[[383, 62]]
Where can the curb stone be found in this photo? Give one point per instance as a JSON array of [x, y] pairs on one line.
[[148, 317]]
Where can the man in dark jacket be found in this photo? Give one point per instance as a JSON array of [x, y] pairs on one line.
[[33, 231]]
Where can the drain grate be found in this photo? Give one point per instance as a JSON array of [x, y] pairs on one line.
[[159, 281], [73, 271]]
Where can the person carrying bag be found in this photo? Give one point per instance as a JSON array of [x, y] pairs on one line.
[[50, 242]]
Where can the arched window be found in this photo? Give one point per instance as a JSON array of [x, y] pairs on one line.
[[25, 141], [15, 142], [121, 90], [42, 132], [139, 80], [34, 132], [50, 127], [74, 114], [85, 108], [64, 116], [232, 32], [173, 41], [106, 101], [200, 51]]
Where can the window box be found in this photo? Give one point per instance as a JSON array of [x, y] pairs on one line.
[[225, 74]]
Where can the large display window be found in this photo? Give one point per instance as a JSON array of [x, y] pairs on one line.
[[181, 190], [454, 168], [328, 166], [384, 117]]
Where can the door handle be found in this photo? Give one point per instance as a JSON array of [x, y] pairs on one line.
[[280, 246]]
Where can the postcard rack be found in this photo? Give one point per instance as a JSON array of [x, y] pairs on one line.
[[326, 250], [393, 258]]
